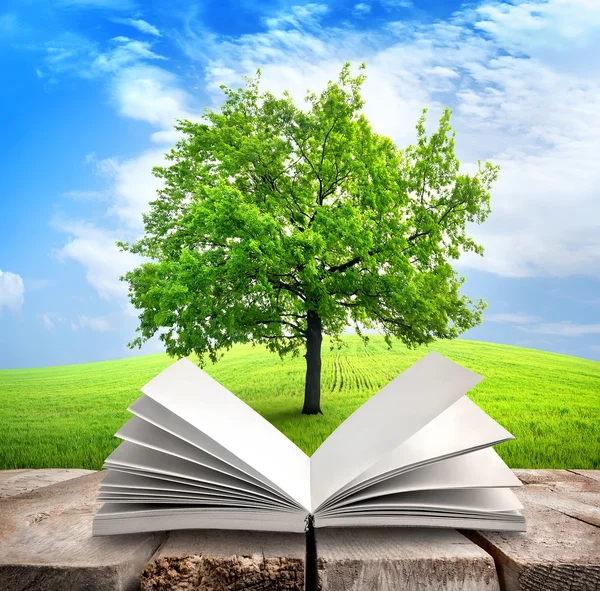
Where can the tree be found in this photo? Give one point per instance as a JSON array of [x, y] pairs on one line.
[[277, 225]]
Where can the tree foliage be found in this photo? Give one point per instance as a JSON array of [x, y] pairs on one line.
[[271, 217]]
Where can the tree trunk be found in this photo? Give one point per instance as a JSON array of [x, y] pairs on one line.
[[312, 388]]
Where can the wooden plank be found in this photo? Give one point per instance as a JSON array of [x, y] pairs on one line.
[[423, 559], [16, 482], [561, 548], [46, 543], [227, 560], [560, 480], [593, 474]]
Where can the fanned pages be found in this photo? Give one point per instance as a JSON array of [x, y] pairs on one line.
[[417, 453]]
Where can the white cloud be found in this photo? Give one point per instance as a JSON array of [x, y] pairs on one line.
[[139, 89], [131, 185], [361, 9], [566, 329], [49, 320], [140, 25], [151, 94], [11, 291], [94, 248], [298, 16], [511, 318], [391, 4], [166, 137], [97, 323], [124, 52]]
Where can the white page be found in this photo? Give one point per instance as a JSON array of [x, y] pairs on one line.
[[124, 518], [195, 501], [386, 420], [141, 458], [461, 428], [480, 469], [154, 413], [205, 488], [189, 392], [116, 481], [494, 523], [466, 500], [138, 431], [183, 498]]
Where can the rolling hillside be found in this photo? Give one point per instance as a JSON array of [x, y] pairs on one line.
[[67, 416]]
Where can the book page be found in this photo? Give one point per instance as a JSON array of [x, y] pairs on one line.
[[480, 469], [186, 390], [130, 518], [154, 413], [138, 431], [141, 459], [386, 420], [468, 500], [461, 428], [204, 486]]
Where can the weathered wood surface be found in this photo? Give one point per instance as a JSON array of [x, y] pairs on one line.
[[408, 559], [561, 549], [227, 561], [16, 482], [46, 543]]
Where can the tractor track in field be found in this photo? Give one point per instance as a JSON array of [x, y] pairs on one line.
[[362, 372], [338, 374], [353, 373], [346, 373], [335, 373]]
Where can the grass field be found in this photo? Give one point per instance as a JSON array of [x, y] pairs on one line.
[[66, 417]]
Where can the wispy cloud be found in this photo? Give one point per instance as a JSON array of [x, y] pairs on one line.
[[140, 25], [139, 89], [566, 329], [391, 4], [131, 185], [95, 249], [11, 291], [361, 9], [298, 16], [511, 318], [95, 323], [49, 320]]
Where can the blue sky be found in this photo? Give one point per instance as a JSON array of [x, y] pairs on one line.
[[92, 89]]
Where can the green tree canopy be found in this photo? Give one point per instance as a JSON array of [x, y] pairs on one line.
[[277, 225]]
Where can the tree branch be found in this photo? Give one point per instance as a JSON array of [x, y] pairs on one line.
[[283, 336], [279, 321], [350, 263], [325, 142]]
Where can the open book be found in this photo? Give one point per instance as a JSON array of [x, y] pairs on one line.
[[417, 453]]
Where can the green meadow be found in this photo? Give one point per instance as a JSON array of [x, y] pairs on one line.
[[66, 417]]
